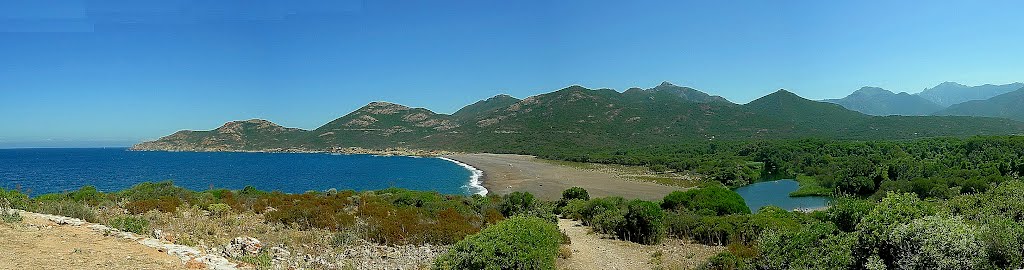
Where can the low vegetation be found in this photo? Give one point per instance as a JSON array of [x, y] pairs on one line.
[[942, 203], [520, 242]]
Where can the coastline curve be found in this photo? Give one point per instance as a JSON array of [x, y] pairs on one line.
[[475, 183]]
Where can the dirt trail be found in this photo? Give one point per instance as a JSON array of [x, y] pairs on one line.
[[37, 243], [592, 251]]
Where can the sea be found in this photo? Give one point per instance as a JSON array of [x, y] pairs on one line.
[[49, 170]]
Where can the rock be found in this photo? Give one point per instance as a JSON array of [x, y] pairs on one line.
[[159, 234], [243, 246], [280, 252]]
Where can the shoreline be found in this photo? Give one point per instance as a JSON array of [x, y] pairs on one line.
[[338, 150], [475, 179], [507, 173]]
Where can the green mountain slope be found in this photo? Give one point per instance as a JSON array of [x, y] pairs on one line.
[[1009, 105], [576, 118], [878, 101], [380, 125], [254, 135], [484, 106]]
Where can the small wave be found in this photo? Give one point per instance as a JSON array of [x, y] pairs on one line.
[[475, 183]]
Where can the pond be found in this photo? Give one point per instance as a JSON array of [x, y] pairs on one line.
[[776, 193]]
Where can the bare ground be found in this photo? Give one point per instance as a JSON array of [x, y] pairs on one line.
[[37, 243], [505, 174], [594, 251]]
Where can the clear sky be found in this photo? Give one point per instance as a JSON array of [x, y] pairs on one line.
[[101, 72]]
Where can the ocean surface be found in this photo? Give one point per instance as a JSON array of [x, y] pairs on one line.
[[41, 171], [776, 193]]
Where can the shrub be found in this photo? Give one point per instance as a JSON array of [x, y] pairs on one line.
[[715, 198], [846, 212], [87, 194], [610, 221], [166, 204], [515, 243], [726, 261], [7, 214], [643, 223], [937, 243], [573, 209], [575, 193], [600, 205], [815, 246], [14, 198], [67, 209], [517, 203], [218, 209], [1004, 243], [133, 224]]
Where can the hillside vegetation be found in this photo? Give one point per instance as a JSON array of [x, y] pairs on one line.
[[576, 117]]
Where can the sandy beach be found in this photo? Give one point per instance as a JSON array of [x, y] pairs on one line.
[[505, 174]]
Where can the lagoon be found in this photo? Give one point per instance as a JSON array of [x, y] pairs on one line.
[[776, 193]]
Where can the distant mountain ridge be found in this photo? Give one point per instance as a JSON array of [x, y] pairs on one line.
[[576, 117], [949, 93], [878, 101], [1009, 105]]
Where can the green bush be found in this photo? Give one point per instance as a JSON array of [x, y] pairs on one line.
[[726, 261], [846, 212], [609, 221], [515, 243], [715, 198], [1004, 243], [937, 243], [643, 223], [573, 209], [517, 203], [7, 214], [133, 224], [14, 198], [218, 209], [573, 193], [816, 246], [65, 208]]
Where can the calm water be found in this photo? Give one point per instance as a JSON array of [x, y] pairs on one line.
[[777, 193], [55, 170]]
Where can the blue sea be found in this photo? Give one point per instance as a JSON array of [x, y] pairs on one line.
[[41, 171]]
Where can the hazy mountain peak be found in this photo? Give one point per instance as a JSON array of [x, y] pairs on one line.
[[949, 93], [878, 101], [871, 90], [666, 83]]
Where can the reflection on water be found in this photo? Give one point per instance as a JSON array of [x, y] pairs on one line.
[[777, 193]]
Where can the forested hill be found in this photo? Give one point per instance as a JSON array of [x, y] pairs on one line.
[[582, 119]]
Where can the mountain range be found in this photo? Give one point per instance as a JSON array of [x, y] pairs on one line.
[[1009, 105], [575, 118], [878, 101]]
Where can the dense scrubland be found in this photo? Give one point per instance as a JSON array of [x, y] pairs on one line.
[[936, 167], [942, 203]]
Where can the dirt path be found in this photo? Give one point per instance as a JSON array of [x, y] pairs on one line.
[[37, 243], [505, 174], [592, 251]]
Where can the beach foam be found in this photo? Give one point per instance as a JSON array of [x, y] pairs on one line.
[[475, 183]]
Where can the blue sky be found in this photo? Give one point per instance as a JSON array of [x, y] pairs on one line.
[[93, 73]]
